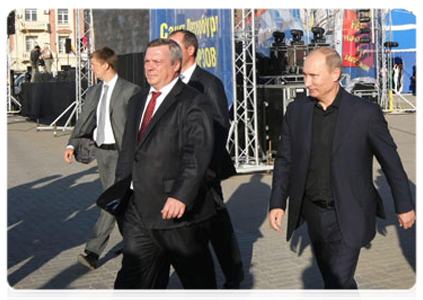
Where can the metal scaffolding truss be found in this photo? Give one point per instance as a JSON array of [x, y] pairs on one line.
[[381, 57], [243, 141], [11, 103], [83, 74]]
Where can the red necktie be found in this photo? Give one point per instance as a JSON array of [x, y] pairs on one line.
[[148, 114]]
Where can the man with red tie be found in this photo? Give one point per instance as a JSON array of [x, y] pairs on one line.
[[167, 147]]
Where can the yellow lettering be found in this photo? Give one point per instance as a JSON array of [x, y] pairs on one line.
[[163, 31]]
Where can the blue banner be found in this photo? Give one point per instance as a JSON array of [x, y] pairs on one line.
[[213, 28]]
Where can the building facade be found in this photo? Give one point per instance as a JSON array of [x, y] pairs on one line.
[[54, 28]]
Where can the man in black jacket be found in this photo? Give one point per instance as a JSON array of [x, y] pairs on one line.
[[166, 149], [223, 237], [324, 165]]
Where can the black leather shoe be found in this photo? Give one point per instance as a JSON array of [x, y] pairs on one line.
[[234, 284], [89, 260]]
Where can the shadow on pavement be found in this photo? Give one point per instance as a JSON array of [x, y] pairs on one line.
[[248, 202], [47, 217], [248, 207], [406, 238]]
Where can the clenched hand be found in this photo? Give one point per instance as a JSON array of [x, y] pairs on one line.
[[173, 208], [275, 218]]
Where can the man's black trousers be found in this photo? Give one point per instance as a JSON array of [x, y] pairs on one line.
[[147, 254], [337, 261]]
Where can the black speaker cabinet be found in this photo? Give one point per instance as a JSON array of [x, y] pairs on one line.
[[272, 103]]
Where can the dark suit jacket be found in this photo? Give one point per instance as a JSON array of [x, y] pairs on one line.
[[86, 123], [212, 87], [361, 133], [171, 159]]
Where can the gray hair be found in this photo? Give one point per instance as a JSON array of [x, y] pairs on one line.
[[175, 51]]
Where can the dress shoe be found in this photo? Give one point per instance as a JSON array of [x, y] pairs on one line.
[[234, 284], [89, 260]]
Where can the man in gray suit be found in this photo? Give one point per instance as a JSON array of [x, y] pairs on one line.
[[103, 119]]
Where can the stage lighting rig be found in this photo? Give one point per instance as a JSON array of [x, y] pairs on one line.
[[318, 35], [297, 36], [390, 44], [279, 38]]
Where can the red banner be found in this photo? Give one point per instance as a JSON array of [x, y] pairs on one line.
[[357, 44]]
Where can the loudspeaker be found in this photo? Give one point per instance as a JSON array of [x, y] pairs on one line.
[[68, 45], [271, 116], [11, 23], [131, 68]]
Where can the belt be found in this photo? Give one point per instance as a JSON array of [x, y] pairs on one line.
[[324, 204], [107, 147]]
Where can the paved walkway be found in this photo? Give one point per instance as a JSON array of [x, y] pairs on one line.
[[50, 213]]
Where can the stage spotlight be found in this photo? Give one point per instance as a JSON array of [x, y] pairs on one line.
[[390, 44], [365, 40], [279, 37], [318, 35], [297, 36], [364, 20]]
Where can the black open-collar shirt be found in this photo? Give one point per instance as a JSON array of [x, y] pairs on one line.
[[318, 186]]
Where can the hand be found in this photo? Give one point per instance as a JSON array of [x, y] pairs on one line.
[[275, 219], [68, 155], [173, 208], [406, 220]]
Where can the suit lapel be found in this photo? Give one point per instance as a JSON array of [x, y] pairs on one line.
[[117, 90], [96, 95], [195, 80], [170, 99], [196, 74], [140, 109], [345, 115]]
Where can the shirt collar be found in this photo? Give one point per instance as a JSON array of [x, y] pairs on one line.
[[336, 103], [186, 76], [338, 97], [111, 83], [166, 89]]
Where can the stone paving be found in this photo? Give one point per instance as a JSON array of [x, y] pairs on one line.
[[50, 209]]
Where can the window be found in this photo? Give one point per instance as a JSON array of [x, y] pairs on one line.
[[63, 16], [62, 44], [30, 14], [30, 43]]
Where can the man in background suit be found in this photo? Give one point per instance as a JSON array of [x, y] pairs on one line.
[[324, 165], [103, 119], [223, 237], [167, 147]]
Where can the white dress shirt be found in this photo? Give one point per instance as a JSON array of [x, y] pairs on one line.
[[164, 92], [109, 137], [186, 76]]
